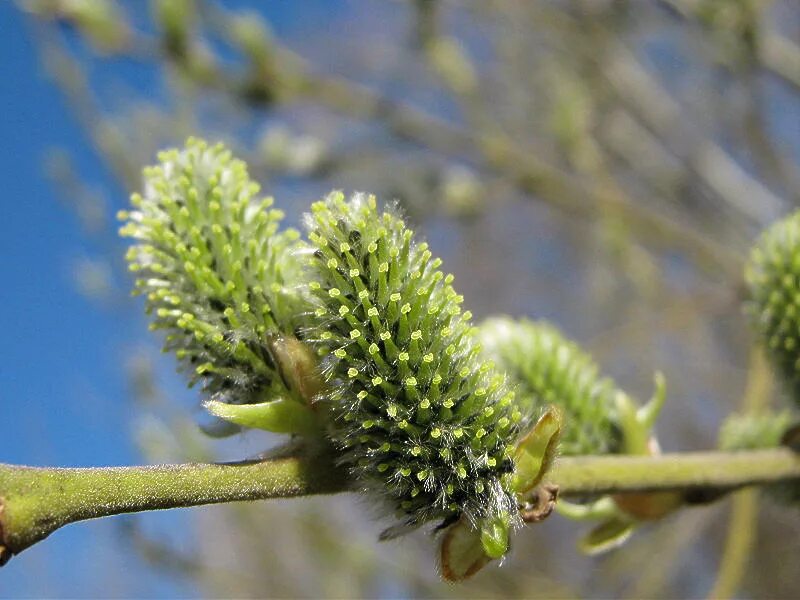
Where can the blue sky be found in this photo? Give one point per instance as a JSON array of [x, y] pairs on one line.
[[62, 392], [63, 396]]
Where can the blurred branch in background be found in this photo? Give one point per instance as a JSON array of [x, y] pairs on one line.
[[605, 164], [743, 520], [273, 76]]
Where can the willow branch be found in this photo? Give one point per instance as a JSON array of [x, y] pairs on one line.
[[695, 471], [34, 502]]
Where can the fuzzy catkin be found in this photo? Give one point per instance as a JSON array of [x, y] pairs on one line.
[[773, 280], [418, 416], [547, 369], [217, 274]]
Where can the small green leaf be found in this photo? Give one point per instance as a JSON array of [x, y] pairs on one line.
[[647, 414], [494, 536], [606, 536], [637, 422], [536, 451], [462, 552], [649, 506], [603, 508], [277, 416]]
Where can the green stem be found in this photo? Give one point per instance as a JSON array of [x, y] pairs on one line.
[[34, 502], [695, 471]]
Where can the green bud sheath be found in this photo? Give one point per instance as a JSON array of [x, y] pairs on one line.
[[217, 274], [418, 416], [536, 451], [549, 369], [773, 280]]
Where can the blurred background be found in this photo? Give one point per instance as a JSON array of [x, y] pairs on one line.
[[601, 164]]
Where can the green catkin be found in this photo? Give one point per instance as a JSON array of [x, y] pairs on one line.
[[761, 431], [216, 273], [549, 369], [773, 280], [418, 415]]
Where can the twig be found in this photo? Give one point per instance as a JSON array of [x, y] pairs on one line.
[[34, 502], [528, 172], [690, 471], [782, 56], [525, 167]]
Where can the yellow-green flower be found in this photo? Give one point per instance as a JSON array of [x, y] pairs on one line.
[[418, 415]]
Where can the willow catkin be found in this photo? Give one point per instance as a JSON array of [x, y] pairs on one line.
[[547, 368], [773, 281], [217, 274], [418, 415]]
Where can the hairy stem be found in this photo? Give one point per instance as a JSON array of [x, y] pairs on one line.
[[34, 502]]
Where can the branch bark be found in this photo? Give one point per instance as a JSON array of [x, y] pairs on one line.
[[34, 502]]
